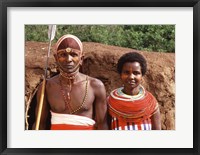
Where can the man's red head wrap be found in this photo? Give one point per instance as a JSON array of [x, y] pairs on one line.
[[69, 41]]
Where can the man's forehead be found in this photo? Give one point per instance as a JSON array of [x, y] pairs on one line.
[[69, 41]]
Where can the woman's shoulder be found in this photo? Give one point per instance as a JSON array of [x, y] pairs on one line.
[[148, 93]]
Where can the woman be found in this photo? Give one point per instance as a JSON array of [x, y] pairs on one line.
[[131, 107]]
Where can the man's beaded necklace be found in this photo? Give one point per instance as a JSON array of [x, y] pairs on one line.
[[67, 99]]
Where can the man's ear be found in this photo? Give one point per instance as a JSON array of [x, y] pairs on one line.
[[82, 58]]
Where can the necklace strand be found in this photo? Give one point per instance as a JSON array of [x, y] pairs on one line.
[[68, 100], [70, 76]]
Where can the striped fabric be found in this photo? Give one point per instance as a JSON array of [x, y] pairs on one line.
[[71, 122], [123, 125]]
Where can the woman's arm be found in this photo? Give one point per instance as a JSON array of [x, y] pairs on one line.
[[156, 120]]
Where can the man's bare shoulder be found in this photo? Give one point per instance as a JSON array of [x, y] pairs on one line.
[[98, 88], [95, 82], [53, 80]]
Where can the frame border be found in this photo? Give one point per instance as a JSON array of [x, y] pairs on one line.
[[4, 4]]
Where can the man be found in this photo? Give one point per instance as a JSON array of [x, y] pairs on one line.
[[75, 100]]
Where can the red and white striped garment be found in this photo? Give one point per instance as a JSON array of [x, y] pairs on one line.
[[131, 112], [123, 125], [71, 122]]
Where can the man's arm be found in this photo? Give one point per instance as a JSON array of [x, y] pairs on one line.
[[156, 120], [100, 105], [45, 110]]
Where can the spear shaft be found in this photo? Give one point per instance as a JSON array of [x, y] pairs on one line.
[[51, 35]]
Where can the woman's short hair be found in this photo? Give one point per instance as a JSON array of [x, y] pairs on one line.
[[132, 57]]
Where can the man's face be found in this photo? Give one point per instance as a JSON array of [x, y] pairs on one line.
[[69, 59]]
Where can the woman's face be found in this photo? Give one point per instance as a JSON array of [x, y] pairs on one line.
[[131, 76]]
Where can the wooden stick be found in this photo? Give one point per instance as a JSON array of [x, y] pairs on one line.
[[40, 104]]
